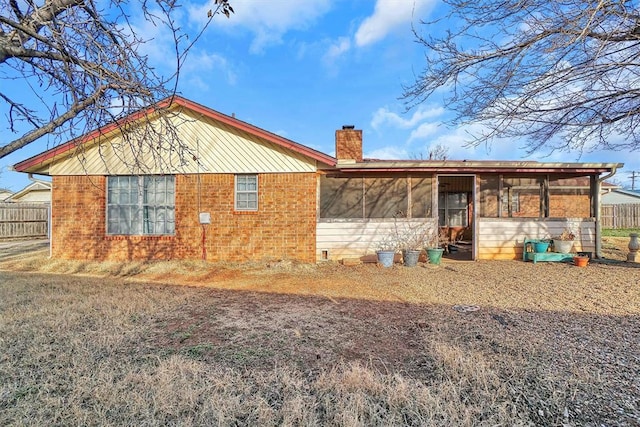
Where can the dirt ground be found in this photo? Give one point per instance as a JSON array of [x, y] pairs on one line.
[[574, 331]]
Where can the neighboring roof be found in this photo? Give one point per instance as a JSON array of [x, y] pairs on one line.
[[462, 166], [585, 182], [619, 196], [50, 156], [37, 186], [4, 193]]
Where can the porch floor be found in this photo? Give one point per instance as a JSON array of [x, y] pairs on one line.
[[463, 252]]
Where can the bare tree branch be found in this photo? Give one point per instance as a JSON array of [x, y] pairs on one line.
[[84, 66], [561, 75]]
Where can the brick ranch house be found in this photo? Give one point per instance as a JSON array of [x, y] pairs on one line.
[[243, 193]]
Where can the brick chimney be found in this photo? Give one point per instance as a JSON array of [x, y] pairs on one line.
[[348, 144]]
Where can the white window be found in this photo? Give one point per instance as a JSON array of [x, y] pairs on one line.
[[246, 192], [141, 205], [510, 202], [452, 209]]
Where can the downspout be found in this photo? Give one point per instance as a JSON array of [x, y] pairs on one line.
[[596, 201], [41, 181]]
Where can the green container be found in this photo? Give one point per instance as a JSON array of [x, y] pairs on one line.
[[435, 255]]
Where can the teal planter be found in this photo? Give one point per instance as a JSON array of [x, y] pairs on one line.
[[435, 255], [541, 246], [386, 258]]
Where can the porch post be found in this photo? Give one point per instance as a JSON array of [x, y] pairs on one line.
[[595, 191], [475, 231], [544, 200], [434, 200]]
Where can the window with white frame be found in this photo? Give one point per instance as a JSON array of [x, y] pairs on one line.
[[510, 202], [141, 205], [246, 193], [452, 209]]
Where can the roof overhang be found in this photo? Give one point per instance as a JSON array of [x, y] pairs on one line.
[[463, 166]]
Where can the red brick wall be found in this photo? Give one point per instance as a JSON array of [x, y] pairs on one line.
[[560, 206], [529, 204], [77, 216], [349, 144], [284, 227], [569, 205]]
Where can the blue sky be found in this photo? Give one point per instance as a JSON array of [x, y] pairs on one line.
[[302, 69]]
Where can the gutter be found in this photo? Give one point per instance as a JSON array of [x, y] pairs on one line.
[[596, 196], [41, 181]]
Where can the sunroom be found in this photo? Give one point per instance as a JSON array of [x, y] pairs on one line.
[[484, 210]]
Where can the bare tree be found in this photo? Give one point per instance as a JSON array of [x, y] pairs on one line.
[[79, 64], [563, 75], [436, 152]]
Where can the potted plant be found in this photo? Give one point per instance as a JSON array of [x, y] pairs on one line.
[[435, 247], [407, 236], [541, 245], [563, 243], [410, 256], [411, 239], [386, 251], [581, 260]]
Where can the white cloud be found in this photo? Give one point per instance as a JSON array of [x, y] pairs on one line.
[[425, 130], [198, 83], [342, 45], [458, 140], [383, 116], [387, 153], [159, 47], [268, 21], [389, 16], [202, 64], [158, 43], [421, 138]]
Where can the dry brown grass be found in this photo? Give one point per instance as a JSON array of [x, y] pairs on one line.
[[110, 344]]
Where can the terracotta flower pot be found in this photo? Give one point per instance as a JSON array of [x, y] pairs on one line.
[[580, 261]]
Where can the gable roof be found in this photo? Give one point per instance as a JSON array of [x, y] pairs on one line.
[[34, 187], [39, 162], [4, 193], [633, 194]]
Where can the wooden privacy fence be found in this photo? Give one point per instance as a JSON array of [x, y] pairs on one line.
[[620, 216], [23, 220]]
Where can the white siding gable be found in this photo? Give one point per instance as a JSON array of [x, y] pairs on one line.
[[209, 146]]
